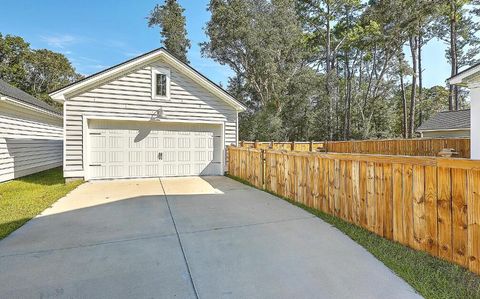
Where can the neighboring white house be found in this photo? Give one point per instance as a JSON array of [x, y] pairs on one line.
[[31, 134], [471, 79], [447, 124], [151, 116]]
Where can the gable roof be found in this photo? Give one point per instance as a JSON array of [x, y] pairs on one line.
[[458, 79], [447, 120], [105, 75], [11, 92]]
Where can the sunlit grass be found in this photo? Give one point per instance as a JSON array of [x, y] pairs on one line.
[[24, 198]]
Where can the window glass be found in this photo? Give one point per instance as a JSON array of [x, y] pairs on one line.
[[161, 85]]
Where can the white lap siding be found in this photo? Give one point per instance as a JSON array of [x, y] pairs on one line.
[[30, 141], [129, 96]]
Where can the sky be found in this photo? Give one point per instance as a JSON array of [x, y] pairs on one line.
[[95, 35]]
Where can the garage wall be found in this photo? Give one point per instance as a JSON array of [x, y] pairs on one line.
[[30, 141], [129, 96]]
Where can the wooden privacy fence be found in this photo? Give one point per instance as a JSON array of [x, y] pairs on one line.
[[429, 204], [407, 147]]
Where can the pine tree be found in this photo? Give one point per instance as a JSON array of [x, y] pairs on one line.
[[169, 17]]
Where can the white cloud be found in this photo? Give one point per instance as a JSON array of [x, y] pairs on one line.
[[59, 41]]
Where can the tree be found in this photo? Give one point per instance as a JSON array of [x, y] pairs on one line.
[[169, 17], [36, 72], [14, 52], [261, 41], [458, 28], [332, 70], [48, 71]]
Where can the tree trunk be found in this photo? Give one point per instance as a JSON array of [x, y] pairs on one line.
[[420, 77], [328, 71], [348, 98], [453, 94], [413, 95], [404, 100]]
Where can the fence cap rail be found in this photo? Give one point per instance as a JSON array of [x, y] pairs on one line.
[[458, 163]]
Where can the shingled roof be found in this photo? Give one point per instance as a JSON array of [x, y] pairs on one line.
[[447, 120], [19, 95]]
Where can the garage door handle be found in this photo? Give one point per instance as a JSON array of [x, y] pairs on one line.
[[160, 156]]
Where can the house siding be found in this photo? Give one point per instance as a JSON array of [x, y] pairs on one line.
[[130, 96], [446, 134], [30, 141]]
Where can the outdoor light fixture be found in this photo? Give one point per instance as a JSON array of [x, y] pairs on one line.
[[158, 114]]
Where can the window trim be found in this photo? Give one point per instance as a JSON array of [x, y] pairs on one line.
[[162, 71]]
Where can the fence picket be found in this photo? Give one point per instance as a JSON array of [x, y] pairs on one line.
[[429, 204]]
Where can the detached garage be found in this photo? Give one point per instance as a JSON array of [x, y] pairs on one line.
[[152, 116]]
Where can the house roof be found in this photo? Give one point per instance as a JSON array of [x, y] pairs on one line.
[[458, 79], [14, 93], [447, 120], [105, 75]]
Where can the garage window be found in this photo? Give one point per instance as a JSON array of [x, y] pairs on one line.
[[160, 83]]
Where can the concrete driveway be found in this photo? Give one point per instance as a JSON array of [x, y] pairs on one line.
[[186, 238]]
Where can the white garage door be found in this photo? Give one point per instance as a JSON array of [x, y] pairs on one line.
[[125, 153]]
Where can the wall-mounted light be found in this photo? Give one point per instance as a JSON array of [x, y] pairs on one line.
[[158, 114]]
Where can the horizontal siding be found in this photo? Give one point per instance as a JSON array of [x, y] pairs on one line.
[[130, 97], [29, 142]]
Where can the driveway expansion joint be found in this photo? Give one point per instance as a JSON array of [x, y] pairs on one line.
[[180, 242]]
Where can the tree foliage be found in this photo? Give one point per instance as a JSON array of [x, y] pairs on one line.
[[36, 72], [169, 17], [343, 69]]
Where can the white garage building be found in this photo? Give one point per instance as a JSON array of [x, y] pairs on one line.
[[151, 116]]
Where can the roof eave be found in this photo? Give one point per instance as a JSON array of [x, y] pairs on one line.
[[461, 79], [28, 106]]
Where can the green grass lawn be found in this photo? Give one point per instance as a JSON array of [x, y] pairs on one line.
[[24, 198], [430, 276]]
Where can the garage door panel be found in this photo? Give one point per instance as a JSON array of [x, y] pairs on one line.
[[115, 141], [169, 142], [98, 157], [184, 169], [151, 156], [135, 170], [170, 170], [98, 141], [116, 171], [116, 153], [183, 156], [153, 142], [135, 156], [169, 156], [116, 156], [99, 171], [184, 142]]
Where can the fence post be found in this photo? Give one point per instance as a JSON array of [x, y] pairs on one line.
[[255, 145], [292, 148], [272, 142], [241, 143], [262, 169], [311, 146]]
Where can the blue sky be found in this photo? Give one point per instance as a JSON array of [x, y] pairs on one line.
[[95, 35]]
